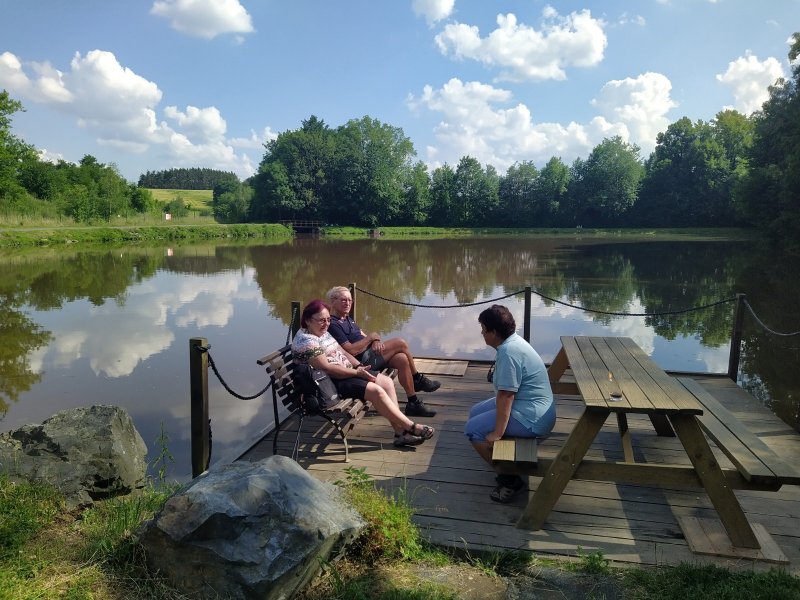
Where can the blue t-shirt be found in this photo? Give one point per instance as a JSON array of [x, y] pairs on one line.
[[519, 369]]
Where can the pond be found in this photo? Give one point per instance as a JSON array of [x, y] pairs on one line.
[[112, 325]]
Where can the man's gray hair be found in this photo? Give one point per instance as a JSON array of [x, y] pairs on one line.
[[336, 291]]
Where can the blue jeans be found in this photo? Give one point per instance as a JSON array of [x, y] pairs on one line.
[[482, 420]]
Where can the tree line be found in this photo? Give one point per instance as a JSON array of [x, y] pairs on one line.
[[733, 170], [194, 178]]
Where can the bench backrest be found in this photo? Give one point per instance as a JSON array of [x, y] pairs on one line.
[[280, 366]]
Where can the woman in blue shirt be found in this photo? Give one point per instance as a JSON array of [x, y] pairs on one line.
[[523, 405]]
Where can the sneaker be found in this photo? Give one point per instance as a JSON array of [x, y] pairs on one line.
[[423, 384], [418, 409]]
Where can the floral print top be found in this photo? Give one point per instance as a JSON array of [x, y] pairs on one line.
[[306, 346]]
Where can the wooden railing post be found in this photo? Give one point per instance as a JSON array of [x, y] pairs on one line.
[[526, 331], [352, 287], [295, 324], [198, 379], [736, 337]]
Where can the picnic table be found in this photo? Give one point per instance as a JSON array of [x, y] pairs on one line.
[[614, 375]]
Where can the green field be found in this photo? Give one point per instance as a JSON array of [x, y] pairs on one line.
[[193, 199]]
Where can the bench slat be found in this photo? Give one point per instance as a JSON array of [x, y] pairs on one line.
[[517, 450], [754, 459]]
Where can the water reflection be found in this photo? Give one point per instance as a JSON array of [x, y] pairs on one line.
[[112, 326]]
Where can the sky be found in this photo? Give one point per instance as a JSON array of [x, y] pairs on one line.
[[149, 85]]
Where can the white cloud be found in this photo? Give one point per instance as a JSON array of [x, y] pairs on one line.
[[203, 124], [749, 80], [204, 18], [472, 124], [51, 157], [255, 141], [120, 108], [433, 10], [524, 53], [48, 86], [641, 104]]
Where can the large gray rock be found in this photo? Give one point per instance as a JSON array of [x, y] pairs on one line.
[[249, 530], [88, 453]]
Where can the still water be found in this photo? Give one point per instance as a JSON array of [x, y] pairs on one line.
[[112, 326]]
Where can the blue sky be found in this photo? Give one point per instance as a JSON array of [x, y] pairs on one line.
[[157, 84]]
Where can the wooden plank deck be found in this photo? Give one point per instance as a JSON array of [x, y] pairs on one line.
[[449, 484]]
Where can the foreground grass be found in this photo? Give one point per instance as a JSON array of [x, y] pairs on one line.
[[47, 552]]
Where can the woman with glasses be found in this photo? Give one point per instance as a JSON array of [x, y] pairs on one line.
[[315, 346], [523, 405]]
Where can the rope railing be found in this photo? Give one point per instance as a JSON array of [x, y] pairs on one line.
[[545, 297], [761, 323]]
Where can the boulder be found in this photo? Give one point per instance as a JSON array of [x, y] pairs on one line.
[[249, 530], [88, 453]]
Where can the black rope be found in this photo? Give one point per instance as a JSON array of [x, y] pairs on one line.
[[760, 322], [438, 305], [211, 362], [291, 322], [583, 308]]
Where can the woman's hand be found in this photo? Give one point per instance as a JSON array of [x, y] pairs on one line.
[[493, 437], [363, 373]]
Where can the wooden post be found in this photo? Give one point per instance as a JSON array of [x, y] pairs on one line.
[[295, 324], [526, 331], [198, 379], [352, 287], [736, 337]]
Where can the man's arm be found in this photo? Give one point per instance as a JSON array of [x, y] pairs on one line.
[[356, 348]]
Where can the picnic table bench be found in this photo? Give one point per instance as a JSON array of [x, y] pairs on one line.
[[343, 416], [614, 375]]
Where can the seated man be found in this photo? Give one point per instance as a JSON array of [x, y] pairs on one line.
[[377, 353]]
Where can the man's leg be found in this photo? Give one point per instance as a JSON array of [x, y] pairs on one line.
[[397, 355], [419, 383]]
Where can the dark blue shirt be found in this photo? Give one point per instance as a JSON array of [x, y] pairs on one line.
[[345, 330]]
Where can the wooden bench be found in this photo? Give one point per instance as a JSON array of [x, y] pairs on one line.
[[342, 416], [755, 461], [514, 453]]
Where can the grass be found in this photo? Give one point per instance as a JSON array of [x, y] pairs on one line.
[[198, 200], [47, 552]]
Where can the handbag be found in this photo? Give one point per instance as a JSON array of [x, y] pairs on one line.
[[319, 391]]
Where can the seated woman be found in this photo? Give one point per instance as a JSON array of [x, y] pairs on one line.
[[315, 346], [523, 406]]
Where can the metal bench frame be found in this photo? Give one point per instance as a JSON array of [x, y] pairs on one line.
[[342, 416]]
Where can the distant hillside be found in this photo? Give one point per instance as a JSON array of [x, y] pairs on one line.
[[193, 199]]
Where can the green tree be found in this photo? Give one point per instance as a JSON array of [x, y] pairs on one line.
[[233, 206], [370, 159], [768, 197], [443, 195], [517, 195], [606, 184], [549, 192], [14, 153], [416, 196], [294, 174]]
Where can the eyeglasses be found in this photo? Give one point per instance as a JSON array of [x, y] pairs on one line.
[[322, 320], [345, 300]]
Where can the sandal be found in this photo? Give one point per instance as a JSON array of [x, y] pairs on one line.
[[506, 492], [424, 431], [407, 439]]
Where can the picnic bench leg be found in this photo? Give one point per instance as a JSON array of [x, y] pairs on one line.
[[708, 470], [560, 363], [625, 436], [562, 469], [661, 425]]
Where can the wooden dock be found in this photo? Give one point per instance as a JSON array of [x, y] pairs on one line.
[[449, 484]]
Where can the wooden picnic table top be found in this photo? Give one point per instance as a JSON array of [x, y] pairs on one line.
[[614, 373]]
